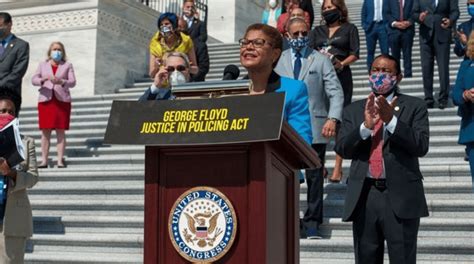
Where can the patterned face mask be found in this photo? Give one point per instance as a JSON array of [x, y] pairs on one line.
[[298, 43], [382, 83]]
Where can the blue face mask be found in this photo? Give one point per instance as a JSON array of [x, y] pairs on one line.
[[298, 43], [470, 9], [56, 55]]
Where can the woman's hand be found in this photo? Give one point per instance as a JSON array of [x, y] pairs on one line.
[[338, 65]]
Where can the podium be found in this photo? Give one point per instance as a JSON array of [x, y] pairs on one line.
[[221, 182], [259, 178]]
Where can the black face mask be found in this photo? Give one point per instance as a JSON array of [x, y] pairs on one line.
[[331, 16]]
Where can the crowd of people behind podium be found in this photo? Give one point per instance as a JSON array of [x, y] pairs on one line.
[[285, 47], [383, 135]]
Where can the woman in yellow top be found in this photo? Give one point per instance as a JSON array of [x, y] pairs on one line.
[[169, 39]]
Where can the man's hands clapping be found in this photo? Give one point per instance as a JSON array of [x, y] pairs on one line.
[[377, 107]]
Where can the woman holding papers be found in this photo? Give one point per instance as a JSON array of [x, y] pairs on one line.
[[17, 218], [260, 50], [55, 77]]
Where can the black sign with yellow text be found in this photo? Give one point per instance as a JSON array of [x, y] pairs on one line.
[[196, 121]]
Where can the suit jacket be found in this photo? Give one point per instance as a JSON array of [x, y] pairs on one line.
[[432, 23], [401, 151], [367, 13], [18, 220], [325, 95], [465, 27], [465, 81], [391, 13], [13, 64], [198, 31], [163, 94], [202, 60], [64, 72]]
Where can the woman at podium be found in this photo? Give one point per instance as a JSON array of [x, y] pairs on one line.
[[260, 50]]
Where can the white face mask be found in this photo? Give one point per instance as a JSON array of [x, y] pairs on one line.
[[177, 78], [272, 3]]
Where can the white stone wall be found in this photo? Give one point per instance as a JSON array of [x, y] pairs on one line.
[[105, 40], [228, 19]]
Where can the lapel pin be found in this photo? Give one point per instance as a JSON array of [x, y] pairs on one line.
[[397, 108]]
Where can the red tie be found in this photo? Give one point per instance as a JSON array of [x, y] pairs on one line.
[[401, 10], [376, 159]]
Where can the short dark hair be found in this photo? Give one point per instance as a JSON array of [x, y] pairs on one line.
[[295, 20], [274, 35], [7, 18], [171, 17], [7, 94], [271, 32], [390, 57]]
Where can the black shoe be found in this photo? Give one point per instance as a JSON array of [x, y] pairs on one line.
[[442, 105], [429, 105], [43, 166]]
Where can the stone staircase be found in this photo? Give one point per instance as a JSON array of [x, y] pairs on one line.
[[92, 212]]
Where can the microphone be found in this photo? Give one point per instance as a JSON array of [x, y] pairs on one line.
[[231, 72]]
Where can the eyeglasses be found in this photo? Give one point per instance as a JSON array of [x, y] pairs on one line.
[[298, 33], [179, 68], [257, 43]]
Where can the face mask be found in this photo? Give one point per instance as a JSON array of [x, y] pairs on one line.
[[382, 83], [3, 32], [166, 31], [331, 16], [56, 55], [272, 3], [298, 43], [470, 9], [177, 78]]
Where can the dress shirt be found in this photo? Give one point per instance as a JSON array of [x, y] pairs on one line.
[[7, 40], [378, 10], [293, 57], [390, 127], [189, 21]]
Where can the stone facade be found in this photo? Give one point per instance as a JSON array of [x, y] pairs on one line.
[[105, 40]]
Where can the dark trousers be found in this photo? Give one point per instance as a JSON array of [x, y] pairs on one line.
[[375, 222], [429, 50], [313, 216], [377, 31], [345, 78], [402, 40]]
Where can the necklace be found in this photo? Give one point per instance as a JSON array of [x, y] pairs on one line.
[[252, 91]]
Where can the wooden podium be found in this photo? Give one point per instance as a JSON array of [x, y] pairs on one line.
[[258, 178]]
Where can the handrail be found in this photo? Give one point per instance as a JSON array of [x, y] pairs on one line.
[[175, 6]]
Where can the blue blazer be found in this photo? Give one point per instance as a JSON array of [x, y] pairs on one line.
[[391, 13], [465, 81], [296, 111], [367, 15], [465, 27]]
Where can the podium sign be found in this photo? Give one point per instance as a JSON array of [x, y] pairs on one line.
[[196, 121]]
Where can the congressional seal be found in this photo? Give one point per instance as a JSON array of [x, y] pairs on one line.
[[202, 225]]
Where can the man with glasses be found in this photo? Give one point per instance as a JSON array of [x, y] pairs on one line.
[[174, 71], [325, 98], [384, 135]]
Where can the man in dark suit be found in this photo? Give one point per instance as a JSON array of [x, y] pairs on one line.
[[14, 56], [384, 136], [196, 28], [375, 28], [436, 18], [401, 31]]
